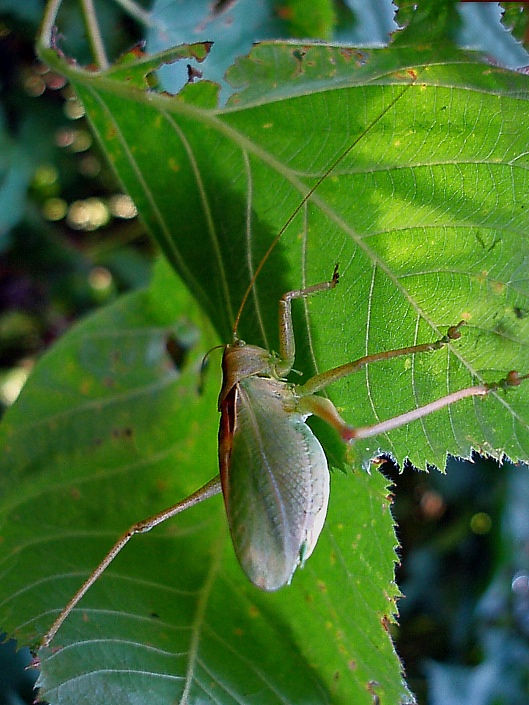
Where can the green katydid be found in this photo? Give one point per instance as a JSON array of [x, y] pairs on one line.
[[273, 471]]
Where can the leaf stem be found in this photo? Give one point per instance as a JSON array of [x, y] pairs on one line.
[[137, 12], [94, 34], [44, 37]]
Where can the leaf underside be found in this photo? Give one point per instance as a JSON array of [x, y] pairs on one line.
[[425, 215]]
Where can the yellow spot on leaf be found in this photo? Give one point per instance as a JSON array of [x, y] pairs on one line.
[[498, 287], [86, 386]]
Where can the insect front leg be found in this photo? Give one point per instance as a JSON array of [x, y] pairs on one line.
[[287, 343]]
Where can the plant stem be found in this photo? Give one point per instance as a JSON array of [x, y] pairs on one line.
[[94, 34], [48, 23], [136, 11]]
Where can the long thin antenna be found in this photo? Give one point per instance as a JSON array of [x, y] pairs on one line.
[[307, 197]]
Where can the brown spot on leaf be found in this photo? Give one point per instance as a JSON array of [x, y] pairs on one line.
[[126, 432], [175, 351], [371, 689]]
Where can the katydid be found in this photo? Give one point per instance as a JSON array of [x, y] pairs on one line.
[[273, 471]]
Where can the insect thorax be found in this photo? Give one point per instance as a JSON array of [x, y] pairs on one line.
[[241, 361]]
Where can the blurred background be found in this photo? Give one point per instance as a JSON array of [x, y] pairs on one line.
[[70, 242]]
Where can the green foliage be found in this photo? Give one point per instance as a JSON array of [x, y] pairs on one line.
[[464, 575], [122, 433], [320, 22], [420, 180]]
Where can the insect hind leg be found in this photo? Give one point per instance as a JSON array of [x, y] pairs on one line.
[[325, 409]]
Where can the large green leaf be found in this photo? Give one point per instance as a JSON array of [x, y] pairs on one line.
[[424, 211]]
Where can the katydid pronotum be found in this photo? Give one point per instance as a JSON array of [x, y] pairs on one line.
[[268, 452]]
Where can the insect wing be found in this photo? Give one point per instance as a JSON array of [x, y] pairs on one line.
[[275, 480]]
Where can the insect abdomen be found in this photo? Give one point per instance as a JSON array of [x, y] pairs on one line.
[[275, 482]]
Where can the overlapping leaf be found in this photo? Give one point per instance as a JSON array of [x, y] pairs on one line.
[[108, 431]]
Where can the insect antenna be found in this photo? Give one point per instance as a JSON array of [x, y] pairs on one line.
[[307, 197], [204, 365]]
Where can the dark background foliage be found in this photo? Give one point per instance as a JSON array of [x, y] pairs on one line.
[[68, 246]]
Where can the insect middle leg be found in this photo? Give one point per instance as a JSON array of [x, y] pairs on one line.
[[322, 407]]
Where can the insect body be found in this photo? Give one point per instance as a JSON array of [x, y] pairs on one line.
[[274, 472], [274, 476]]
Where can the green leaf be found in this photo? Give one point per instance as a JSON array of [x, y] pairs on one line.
[[318, 23], [107, 431], [427, 22], [424, 208]]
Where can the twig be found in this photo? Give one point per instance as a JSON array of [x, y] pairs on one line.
[[94, 34]]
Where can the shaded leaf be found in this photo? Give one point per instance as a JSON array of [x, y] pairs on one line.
[[107, 431]]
